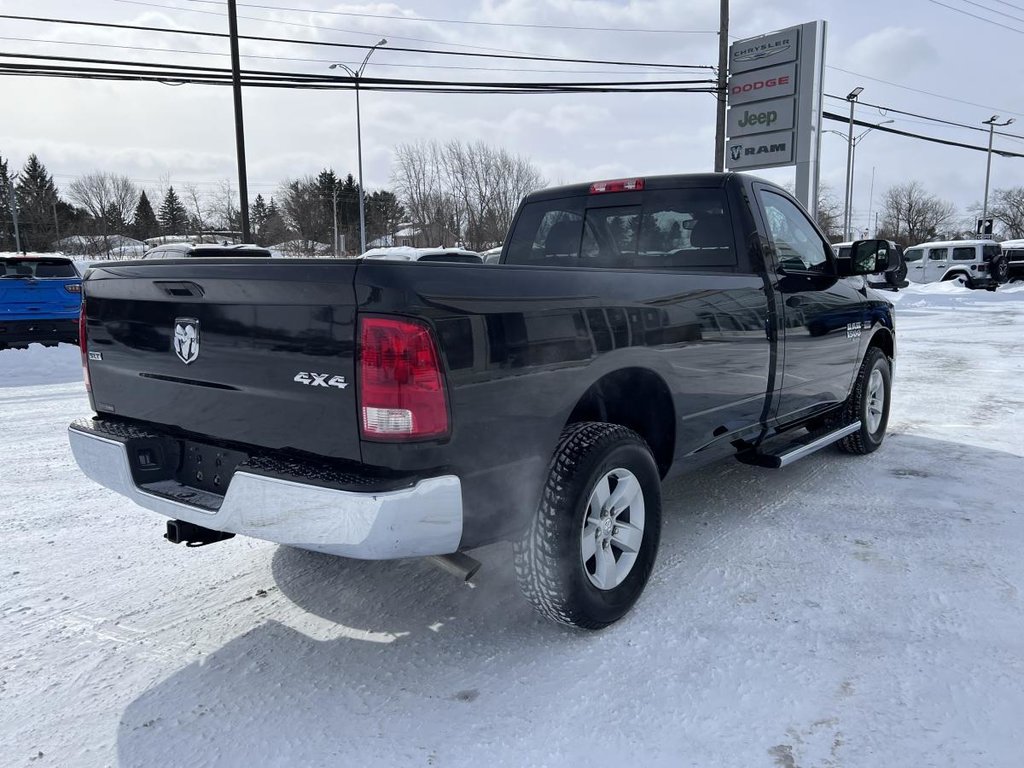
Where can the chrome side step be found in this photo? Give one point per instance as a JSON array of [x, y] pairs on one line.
[[798, 449]]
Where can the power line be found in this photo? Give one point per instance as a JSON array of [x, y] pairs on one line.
[[357, 46], [886, 110], [462, 21], [330, 78], [319, 61], [934, 140], [994, 10], [212, 76], [976, 16], [925, 93], [323, 28]]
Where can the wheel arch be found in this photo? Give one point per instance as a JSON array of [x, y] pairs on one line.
[[637, 398], [883, 339]]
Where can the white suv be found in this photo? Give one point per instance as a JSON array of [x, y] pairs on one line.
[[977, 263]]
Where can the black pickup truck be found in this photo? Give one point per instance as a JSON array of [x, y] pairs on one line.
[[633, 329]]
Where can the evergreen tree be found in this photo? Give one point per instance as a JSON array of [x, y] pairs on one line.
[[173, 216], [144, 223], [37, 201], [348, 212], [275, 230], [258, 218]]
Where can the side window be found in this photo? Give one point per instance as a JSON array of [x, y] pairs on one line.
[[938, 254], [914, 254], [991, 251], [797, 243], [964, 254]]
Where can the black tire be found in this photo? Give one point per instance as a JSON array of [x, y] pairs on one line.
[[897, 278], [867, 440], [999, 269], [549, 564]]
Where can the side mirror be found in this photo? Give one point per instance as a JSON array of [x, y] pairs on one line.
[[871, 257]]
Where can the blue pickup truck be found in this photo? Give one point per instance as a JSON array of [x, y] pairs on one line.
[[40, 299]]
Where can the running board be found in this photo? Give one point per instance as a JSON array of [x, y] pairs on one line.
[[796, 450]]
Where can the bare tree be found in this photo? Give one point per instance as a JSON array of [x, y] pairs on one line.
[[911, 215], [830, 213], [110, 200], [462, 191], [1007, 207], [223, 207], [196, 205]]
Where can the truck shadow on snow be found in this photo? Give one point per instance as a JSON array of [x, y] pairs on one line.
[[400, 663]]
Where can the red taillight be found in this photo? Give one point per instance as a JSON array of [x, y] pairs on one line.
[[616, 185], [73, 287], [83, 340], [401, 387]]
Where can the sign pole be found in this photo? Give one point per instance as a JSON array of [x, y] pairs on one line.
[[809, 109], [723, 86]]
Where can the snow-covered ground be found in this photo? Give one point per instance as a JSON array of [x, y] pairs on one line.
[[841, 612]]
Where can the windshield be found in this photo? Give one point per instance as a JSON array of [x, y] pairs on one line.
[[37, 268]]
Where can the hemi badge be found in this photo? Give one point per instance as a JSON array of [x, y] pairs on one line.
[[95, 355]]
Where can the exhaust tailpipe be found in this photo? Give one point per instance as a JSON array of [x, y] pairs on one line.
[[457, 564]]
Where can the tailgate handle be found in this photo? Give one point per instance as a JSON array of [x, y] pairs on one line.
[[179, 289]]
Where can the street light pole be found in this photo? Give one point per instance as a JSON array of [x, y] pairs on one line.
[[991, 123], [852, 98], [359, 138], [853, 166]]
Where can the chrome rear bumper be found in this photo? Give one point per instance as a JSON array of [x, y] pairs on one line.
[[425, 519]]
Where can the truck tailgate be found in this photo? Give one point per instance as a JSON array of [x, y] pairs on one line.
[[264, 353]]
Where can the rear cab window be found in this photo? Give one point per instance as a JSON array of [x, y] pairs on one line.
[[673, 229], [39, 269]]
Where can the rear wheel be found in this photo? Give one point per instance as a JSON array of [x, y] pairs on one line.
[[869, 404], [589, 550]]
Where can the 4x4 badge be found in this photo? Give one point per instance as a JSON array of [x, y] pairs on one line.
[[186, 339]]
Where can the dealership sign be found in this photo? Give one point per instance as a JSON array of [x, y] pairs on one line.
[[761, 151], [775, 100], [762, 117], [764, 51]]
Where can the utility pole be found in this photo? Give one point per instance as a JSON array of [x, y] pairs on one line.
[[14, 216], [723, 84], [852, 98], [991, 123], [236, 87]]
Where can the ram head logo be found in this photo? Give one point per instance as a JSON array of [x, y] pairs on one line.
[[186, 339], [736, 152]]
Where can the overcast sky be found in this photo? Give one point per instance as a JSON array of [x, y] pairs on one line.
[[153, 132]]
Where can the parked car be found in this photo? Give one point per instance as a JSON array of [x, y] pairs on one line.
[[40, 299], [1013, 250], [977, 263], [408, 253], [377, 409], [890, 280], [204, 250], [491, 255]]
